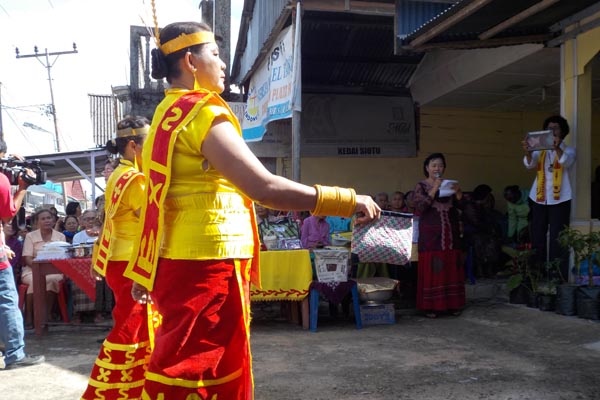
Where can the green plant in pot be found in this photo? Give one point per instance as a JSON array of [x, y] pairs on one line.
[[520, 284], [584, 247], [546, 290]]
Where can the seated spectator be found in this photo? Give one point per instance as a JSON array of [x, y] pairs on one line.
[[397, 204], [338, 224], [517, 206], [315, 232], [71, 224], [383, 201], [90, 228], [83, 307], [34, 241], [409, 202], [11, 239], [72, 208], [482, 229]]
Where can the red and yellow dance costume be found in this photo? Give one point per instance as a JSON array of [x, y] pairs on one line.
[[119, 370], [199, 273]]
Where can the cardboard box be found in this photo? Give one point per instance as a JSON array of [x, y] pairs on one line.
[[378, 314], [331, 265]]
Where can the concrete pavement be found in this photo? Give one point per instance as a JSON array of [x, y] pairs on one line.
[[493, 351]]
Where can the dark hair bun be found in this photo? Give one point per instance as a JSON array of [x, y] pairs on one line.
[[160, 68], [111, 147]]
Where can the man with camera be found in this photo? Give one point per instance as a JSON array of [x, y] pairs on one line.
[[12, 332]]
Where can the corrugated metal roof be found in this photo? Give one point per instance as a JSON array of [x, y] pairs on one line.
[[411, 15], [352, 51], [495, 12]]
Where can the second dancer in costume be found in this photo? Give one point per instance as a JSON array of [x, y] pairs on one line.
[[119, 370]]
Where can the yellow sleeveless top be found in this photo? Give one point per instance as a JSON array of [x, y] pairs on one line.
[[205, 216], [125, 222]]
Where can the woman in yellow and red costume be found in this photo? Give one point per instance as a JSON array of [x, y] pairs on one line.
[[199, 246], [118, 372]]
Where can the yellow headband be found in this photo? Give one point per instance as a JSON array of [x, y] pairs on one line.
[[126, 132], [187, 40]]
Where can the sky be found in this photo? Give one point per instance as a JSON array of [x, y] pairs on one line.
[[100, 28]]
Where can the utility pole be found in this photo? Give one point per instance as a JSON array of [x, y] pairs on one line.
[[1, 128], [48, 65]]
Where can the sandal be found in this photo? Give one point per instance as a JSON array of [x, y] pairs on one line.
[[431, 315]]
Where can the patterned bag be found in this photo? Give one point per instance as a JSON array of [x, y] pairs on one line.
[[386, 240]]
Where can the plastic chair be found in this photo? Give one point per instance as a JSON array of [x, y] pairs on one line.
[[61, 298], [22, 290], [314, 307]]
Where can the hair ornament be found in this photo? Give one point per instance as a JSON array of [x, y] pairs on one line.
[[127, 132], [187, 40]]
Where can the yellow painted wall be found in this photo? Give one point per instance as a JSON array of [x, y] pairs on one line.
[[480, 147]]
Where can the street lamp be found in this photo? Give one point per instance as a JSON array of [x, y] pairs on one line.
[[35, 127]]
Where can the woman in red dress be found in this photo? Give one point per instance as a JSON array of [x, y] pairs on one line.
[[441, 276]]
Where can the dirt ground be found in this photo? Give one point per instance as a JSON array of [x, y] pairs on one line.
[[493, 351]]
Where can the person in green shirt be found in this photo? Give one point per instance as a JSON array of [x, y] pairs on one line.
[[518, 214]]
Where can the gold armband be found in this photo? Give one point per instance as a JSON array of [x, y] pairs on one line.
[[334, 201]]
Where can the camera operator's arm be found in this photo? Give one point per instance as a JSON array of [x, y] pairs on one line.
[[9, 206], [18, 198]]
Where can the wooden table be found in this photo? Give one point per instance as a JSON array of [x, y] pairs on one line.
[[78, 269], [286, 275]]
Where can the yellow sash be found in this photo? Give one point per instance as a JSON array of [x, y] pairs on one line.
[[115, 187], [557, 172]]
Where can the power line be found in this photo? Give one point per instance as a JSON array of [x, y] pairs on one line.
[[25, 135], [48, 67]]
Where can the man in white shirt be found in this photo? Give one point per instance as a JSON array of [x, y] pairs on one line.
[[91, 228], [551, 193]]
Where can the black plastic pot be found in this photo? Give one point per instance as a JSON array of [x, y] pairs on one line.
[[547, 302], [519, 295], [588, 302], [532, 300], [565, 299]]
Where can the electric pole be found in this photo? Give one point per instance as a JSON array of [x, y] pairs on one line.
[[48, 65], [1, 128]]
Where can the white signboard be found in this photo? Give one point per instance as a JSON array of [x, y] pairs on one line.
[[271, 89]]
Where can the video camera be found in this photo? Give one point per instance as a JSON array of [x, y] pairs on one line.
[[14, 168]]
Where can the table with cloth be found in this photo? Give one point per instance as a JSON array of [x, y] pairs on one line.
[[285, 275], [77, 269]]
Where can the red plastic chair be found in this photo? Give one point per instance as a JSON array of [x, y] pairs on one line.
[[22, 289], [61, 298]]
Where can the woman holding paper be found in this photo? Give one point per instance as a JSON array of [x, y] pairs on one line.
[[441, 276]]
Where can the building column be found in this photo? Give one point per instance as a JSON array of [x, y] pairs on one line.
[[576, 107]]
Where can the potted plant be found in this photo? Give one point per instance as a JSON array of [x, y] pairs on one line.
[[519, 284], [584, 247], [546, 290]]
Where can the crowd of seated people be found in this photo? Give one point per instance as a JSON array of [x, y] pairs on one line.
[[46, 226]]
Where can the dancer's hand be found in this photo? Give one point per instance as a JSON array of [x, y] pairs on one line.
[[140, 293]]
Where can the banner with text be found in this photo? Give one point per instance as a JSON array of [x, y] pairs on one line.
[[271, 89], [357, 126]]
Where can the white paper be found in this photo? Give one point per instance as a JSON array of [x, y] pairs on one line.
[[446, 188]]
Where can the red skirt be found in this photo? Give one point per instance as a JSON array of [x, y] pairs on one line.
[[202, 347], [119, 370], [441, 281]]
